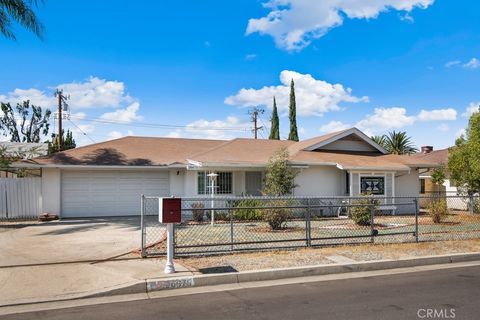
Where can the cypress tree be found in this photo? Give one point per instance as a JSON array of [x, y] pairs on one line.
[[293, 135], [275, 123]]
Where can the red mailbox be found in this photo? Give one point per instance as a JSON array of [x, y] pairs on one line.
[[170, 210]]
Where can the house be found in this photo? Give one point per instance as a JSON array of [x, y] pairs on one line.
[[428, 188], [107, 179]]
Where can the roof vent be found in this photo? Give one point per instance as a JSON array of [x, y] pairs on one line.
[[427, 149]]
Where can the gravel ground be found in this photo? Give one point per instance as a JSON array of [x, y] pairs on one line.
[[314, 256]]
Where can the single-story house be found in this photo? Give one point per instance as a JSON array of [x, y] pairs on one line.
[[107, 179]]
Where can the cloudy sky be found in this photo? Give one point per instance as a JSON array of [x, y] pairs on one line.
[[193, 68]]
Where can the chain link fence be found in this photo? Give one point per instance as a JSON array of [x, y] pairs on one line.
[[226, 224]]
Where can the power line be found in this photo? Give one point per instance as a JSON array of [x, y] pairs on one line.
[[158, 125], [84, 133]]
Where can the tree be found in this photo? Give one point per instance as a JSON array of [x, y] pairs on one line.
[[275, 123], [293, 135], [19, 12], [25, 122], [279, 176], [67, 142], [396, 142], [380, 140], [464, 159]]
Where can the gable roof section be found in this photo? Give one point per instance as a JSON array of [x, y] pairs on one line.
[[322, 141]]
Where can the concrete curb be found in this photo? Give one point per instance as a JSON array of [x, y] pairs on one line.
[[153, 285], [295, 272]]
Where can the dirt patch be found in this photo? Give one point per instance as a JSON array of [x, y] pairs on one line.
[[315, 256]]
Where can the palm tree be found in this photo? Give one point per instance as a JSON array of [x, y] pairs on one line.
[[399, 143], [21, 12], [380, 140]]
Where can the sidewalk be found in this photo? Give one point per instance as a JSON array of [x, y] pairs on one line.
[[65, 281], [40, 283]]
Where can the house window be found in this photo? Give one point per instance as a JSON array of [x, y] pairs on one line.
[[422, 185], [223, 183], [372, 185]]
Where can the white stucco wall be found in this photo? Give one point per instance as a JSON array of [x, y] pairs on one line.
[[320, 181], [407, 184], [177, 182], [51, 201]]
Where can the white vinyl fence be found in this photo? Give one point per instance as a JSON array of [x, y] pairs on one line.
[[20, 198]]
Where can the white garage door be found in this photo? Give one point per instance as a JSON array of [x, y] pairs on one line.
[[108, 192]]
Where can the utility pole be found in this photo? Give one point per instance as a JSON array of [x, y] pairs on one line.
[[61, 104], [254, 113]]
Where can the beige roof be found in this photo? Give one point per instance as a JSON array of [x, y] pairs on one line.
[[130, 151], [147, 151], [434, 157]]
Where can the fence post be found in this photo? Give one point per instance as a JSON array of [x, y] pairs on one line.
[[231, 230], [415, 203], [142, 226], [308, 226], [372, 221], [470, 202]]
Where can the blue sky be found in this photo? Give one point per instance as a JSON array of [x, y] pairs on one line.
[[397, 64]]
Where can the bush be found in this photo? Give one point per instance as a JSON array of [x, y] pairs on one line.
[[219, 215], [247, 214], [277, 217], [437, 209], [198, 211], [361, 212]]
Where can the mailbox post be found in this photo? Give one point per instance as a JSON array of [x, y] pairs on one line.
[[169, 213]]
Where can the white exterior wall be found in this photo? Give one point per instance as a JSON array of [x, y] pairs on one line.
[[407, 184], [177, 182], [320, 181], [51, 182], [238, 182]]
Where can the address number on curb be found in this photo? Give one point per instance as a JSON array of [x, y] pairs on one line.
[[170, 284]]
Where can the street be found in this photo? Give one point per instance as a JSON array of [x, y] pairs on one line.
[[441, 294]]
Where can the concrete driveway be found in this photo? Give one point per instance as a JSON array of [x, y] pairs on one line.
[[68, 240]]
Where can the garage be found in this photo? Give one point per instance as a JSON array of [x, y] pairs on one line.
[[100, 193]]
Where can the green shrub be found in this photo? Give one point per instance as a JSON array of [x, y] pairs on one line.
[[476, 205], [437, 209], [247, 214], [220, 215], [277, 217], [361, 212], [198, 211]]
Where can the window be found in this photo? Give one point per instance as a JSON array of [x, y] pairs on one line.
[[422, 185], [372, 185], [223, 183]]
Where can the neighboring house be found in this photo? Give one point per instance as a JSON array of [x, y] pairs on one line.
[[428, 188], [107, 179], [20, 150]]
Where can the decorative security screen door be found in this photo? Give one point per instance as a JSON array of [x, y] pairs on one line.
[[253, 183]]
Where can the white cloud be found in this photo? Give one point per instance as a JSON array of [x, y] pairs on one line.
[[117, 134], [452, 63], [437, 115], [385, 118], [460, 132], [314, 97], [333, 126], [127, 115], [471, 109], [295, 23], [92, 93], [229, 128], [474, 63], [250, 56], [443, 127]]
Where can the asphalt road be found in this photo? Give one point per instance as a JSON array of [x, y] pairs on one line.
[[448, 294]]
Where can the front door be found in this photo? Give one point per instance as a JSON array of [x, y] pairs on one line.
[[253, 183]]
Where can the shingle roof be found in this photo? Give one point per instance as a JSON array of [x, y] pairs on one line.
[[436, 156], [148, 151]]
